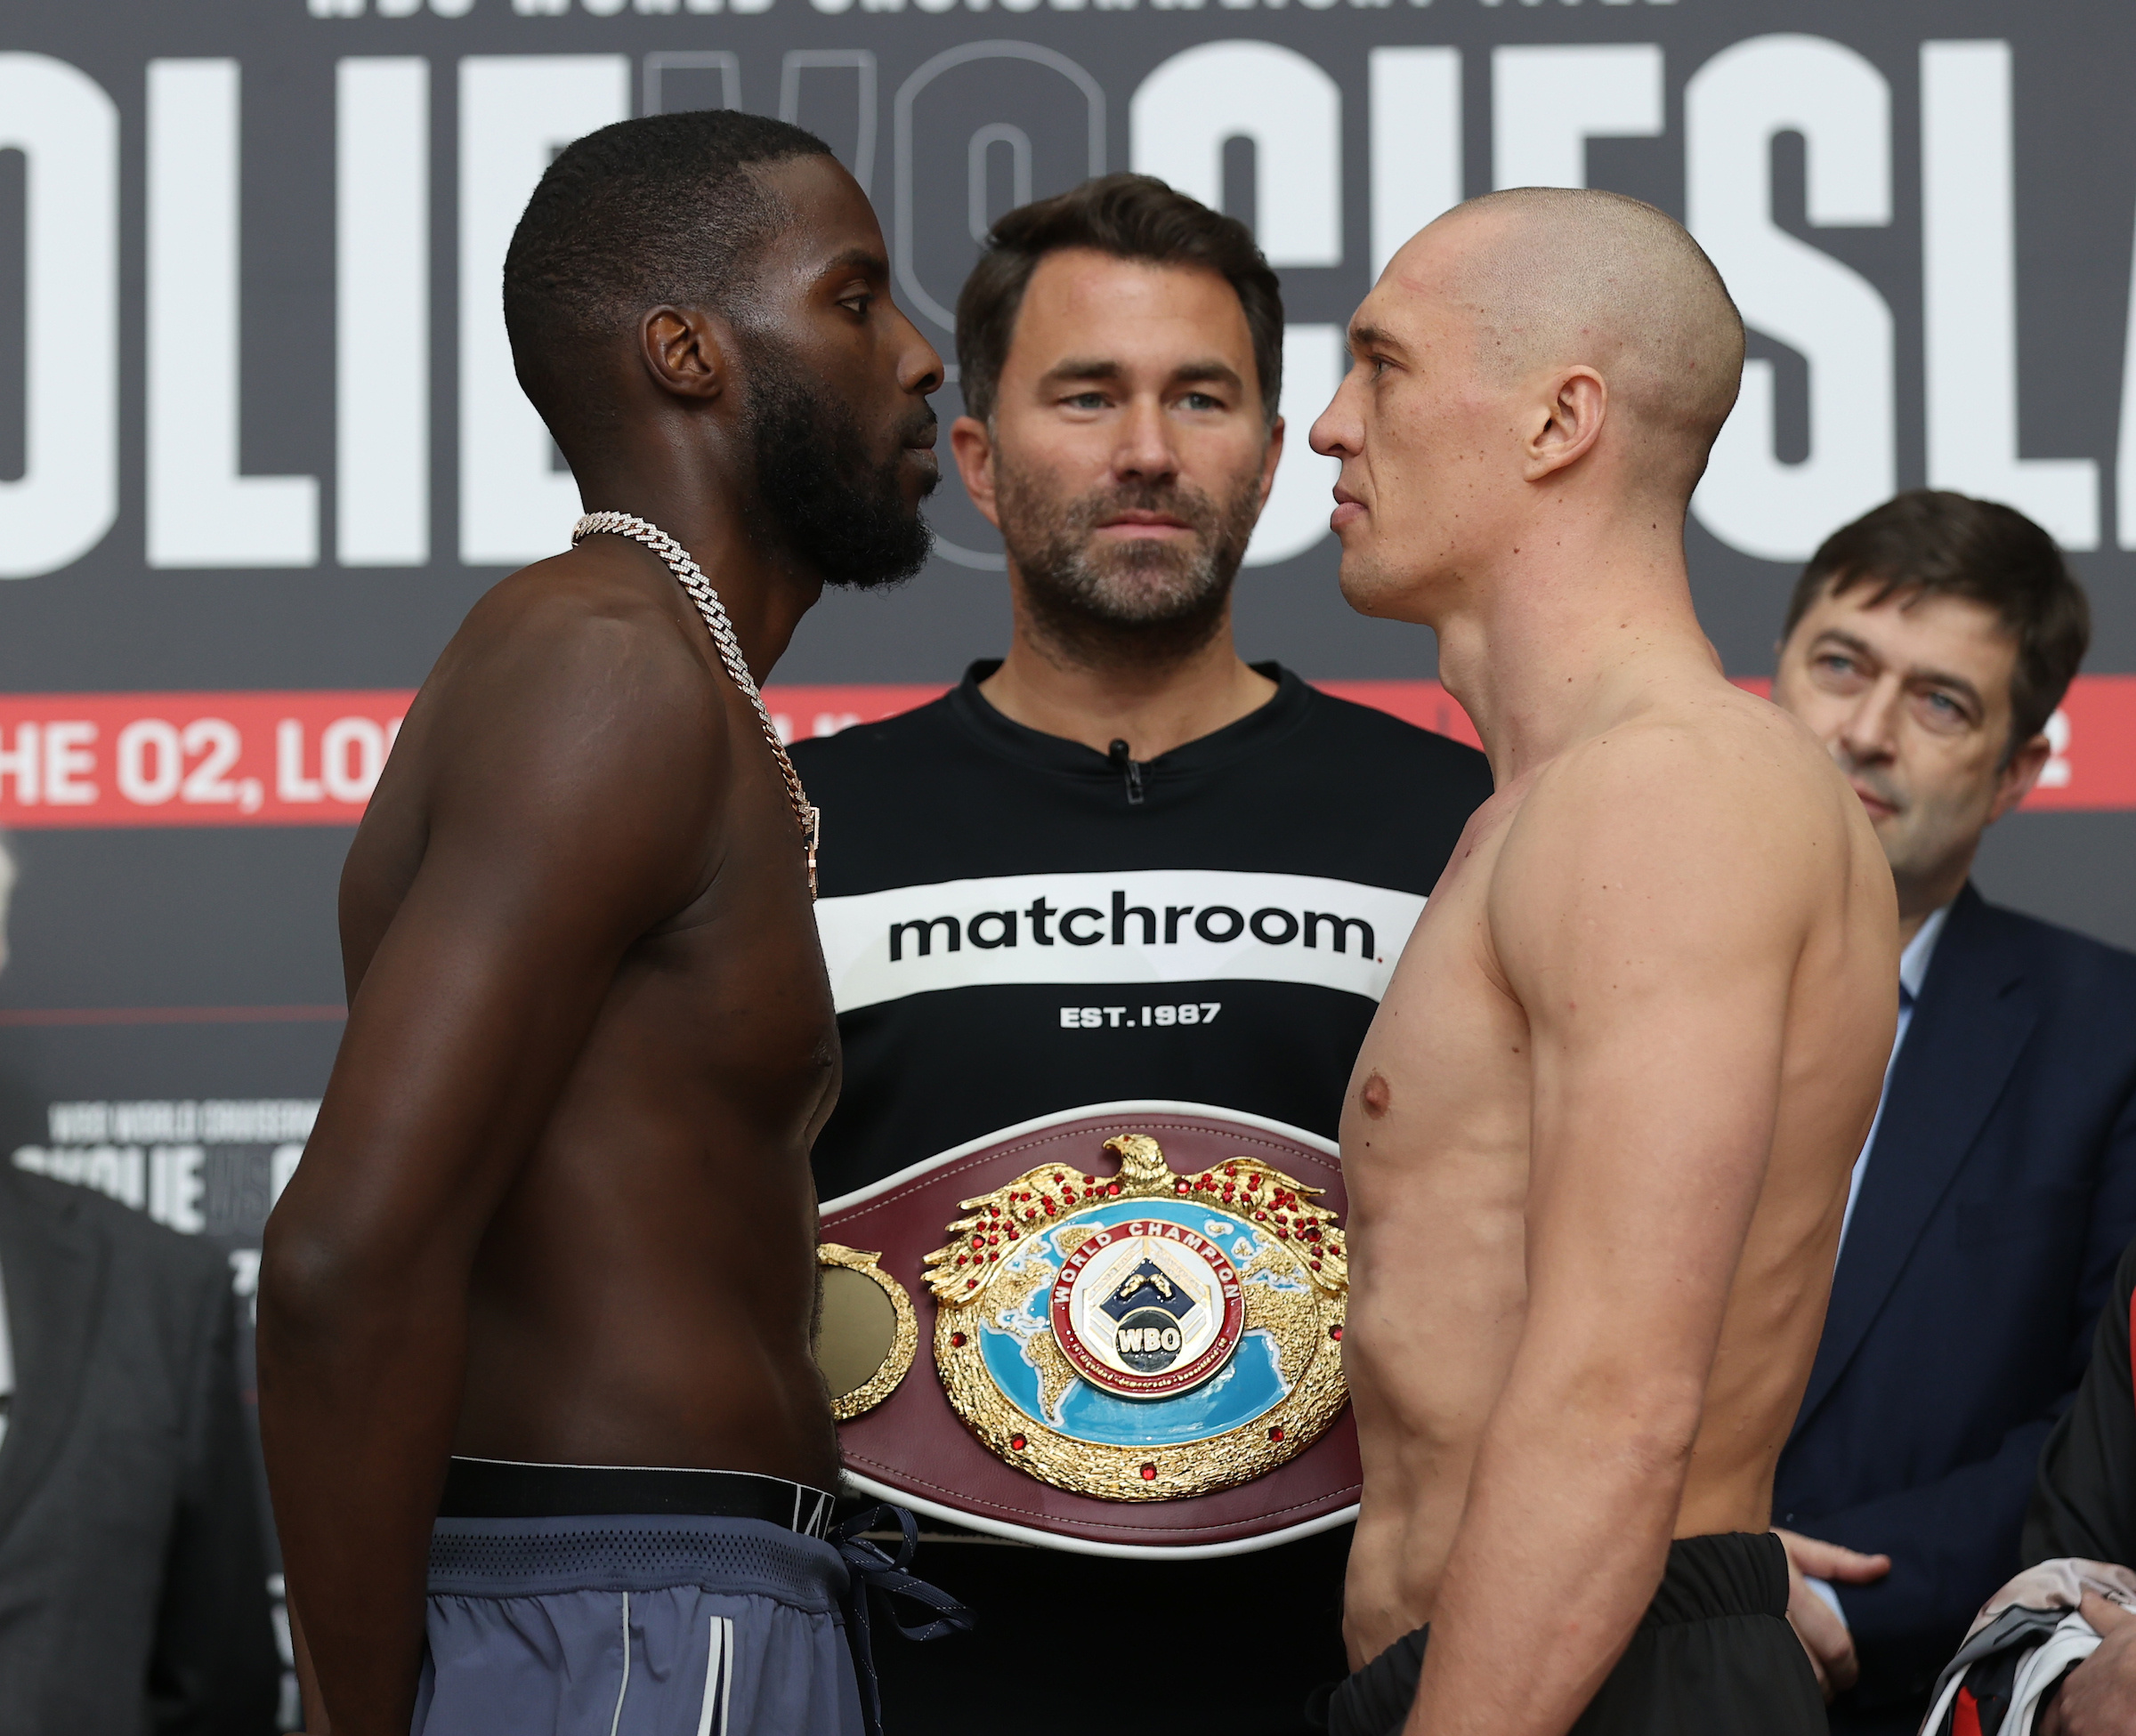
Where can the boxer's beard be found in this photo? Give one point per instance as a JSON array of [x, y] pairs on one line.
[[1139, 601], [820, 496]]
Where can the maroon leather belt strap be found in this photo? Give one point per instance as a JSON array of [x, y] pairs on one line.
[[1144, 1337]]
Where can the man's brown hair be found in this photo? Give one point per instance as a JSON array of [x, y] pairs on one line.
[[1129, 216], [1933, 543]]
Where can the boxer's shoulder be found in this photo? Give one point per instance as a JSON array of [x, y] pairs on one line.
[[1699, 816], [590, 619], [575, 673]]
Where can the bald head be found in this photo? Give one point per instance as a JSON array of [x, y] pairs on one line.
[[1556, 277]]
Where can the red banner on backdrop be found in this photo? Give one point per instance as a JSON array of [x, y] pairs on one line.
[[312, 758], [192, 759]]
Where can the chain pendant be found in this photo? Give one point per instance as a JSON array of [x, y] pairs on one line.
[[692, 579]]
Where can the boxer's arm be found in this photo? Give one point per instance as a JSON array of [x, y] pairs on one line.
[[1639, 916], [573, 774]]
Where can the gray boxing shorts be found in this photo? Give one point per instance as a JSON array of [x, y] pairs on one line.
[[635, 1624]]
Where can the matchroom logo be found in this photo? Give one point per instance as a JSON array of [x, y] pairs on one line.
[[1151, 925]]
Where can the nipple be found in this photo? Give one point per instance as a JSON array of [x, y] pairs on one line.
[[1375, 1097]]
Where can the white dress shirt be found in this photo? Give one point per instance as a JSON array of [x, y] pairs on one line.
[[1913, 972]]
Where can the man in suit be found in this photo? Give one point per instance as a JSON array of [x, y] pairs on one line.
[[133, 1573], [132, 1568], [1927, 645]]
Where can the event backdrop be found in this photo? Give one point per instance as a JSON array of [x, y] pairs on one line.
[[261, 447]]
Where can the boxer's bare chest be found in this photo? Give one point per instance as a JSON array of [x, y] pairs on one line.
[[1435, 1144], [665, 1203], [717, 1037], [1436, 1116]]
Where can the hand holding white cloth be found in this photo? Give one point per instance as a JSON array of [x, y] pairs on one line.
[[2024, 1614]]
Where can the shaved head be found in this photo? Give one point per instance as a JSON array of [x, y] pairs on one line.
[[1532, 352], [1556, 276]]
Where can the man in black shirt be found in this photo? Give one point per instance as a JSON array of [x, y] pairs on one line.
[[1121, 863]]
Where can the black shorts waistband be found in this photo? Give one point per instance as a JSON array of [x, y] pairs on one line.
[[1730, 1573], [509, 1488], [1707, 1578]]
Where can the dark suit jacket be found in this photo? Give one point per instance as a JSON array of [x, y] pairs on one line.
[[2000, 1191], [132, 1575]]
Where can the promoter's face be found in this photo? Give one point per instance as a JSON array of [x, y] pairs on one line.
[[1427, 438], [1128, 454], [1911, 699]]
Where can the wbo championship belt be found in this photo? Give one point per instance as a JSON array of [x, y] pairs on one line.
[[1132, 1320]]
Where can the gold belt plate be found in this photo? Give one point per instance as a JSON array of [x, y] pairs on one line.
[[1147, 1336]]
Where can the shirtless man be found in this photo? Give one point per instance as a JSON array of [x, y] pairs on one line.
[[556, 1213], [1597, 1144]]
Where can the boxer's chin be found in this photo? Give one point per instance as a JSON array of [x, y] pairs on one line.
[[1363, 585]]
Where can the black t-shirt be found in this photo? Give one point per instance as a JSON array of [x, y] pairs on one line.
[[1017, 926]]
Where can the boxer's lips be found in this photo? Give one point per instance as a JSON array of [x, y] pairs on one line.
[[1348, 509]]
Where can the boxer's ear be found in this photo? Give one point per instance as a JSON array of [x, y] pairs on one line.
[[685, 351], [1566, 421]]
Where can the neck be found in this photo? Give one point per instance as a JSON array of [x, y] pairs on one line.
[[1566, 633], [764, 591], [1152, 705]]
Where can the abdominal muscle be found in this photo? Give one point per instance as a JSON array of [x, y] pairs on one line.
[[608, 1335], [662, 1361], [1437, 1297]]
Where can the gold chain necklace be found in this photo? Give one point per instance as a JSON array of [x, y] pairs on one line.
[[692, 579]]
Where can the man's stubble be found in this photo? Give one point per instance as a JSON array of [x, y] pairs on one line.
[[1148, 602]]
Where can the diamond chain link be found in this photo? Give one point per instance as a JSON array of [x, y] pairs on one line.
[[692, 579]]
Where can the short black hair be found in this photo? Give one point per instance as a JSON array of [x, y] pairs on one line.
[[658, 209], [1934, 543], [1129, 216]]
